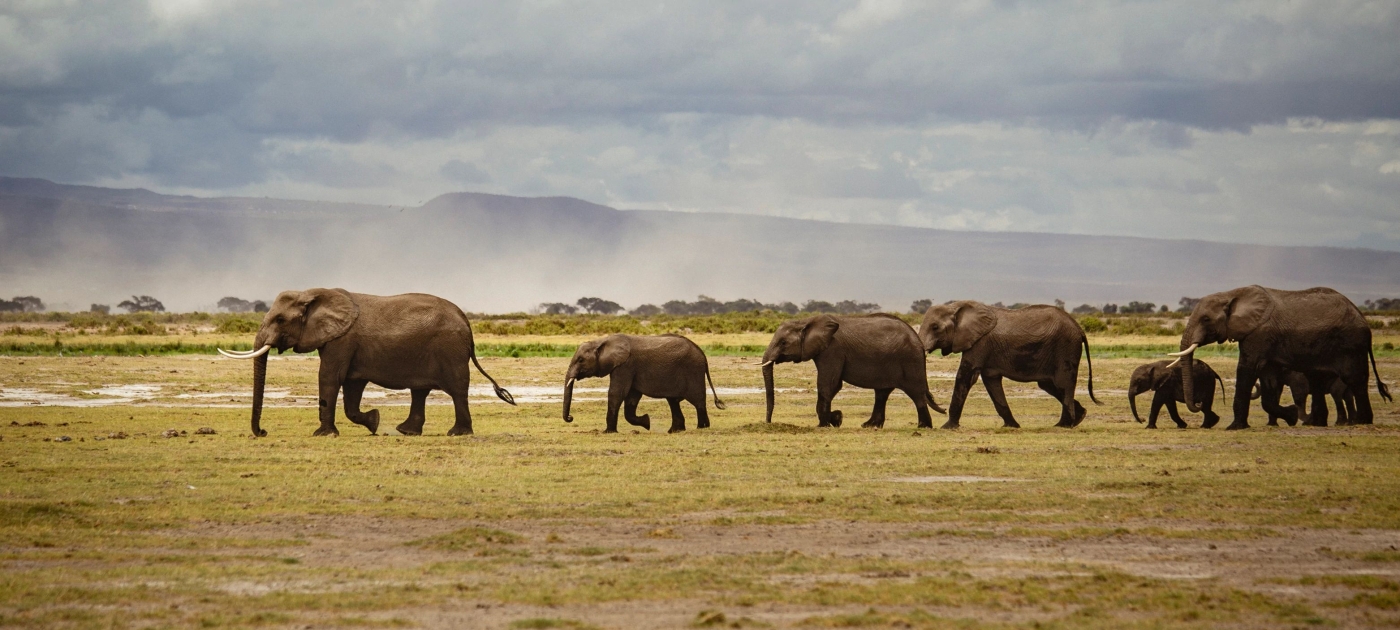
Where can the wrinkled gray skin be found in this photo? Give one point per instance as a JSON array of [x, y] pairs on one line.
[[1300, 385], [878, 352], [1313, 330], [1036, 344], [412, 341], [661, 366], [1165, 383]]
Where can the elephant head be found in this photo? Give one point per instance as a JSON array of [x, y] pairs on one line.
[[1146, 378], [796, 341], [593, 359], [1219, 317], [302, 321], [956, 326]]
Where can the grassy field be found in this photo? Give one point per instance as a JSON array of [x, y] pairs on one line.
[[534, 523]]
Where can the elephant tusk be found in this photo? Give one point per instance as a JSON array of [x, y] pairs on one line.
[[1183, 352], [764, 363], [252, 354], [569, 382], [1173, 363]]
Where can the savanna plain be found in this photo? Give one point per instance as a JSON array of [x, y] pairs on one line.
[[119, 508]]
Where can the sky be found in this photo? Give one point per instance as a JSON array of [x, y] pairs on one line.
[[1266, 122]]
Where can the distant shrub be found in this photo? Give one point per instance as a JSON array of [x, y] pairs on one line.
[[1092, 324], [237, 325]]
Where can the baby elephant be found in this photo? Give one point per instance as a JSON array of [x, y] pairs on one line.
[[662, 366], [1166, 382]]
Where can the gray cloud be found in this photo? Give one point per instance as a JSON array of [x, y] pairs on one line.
[[1187, 119]]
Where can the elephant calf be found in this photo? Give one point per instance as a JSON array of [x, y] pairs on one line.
[[661, 366], [1165, 381], [1270, 388]]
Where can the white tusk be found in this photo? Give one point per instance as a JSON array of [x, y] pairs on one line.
[[1183, 352], [1173, 363], [764, 363], [570, 382], [246, 355]]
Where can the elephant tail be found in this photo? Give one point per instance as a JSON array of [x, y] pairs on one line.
[[1380, 387], [933, 404], [1090, 360], [500, 391], [1223, 399], [719, 404]]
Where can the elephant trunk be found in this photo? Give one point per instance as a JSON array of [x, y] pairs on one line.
[[1188, 381], [568, 399], [259, 381], [1133, 392], [768, 390]]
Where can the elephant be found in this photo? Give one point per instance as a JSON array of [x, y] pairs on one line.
[[1270, 386], [1309, 331], [412, 341], [1165, 382], [1036, 344], [660, 366], [877, 351]]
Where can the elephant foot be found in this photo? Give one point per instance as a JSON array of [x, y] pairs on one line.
[[1079, 413], [459, 430], [702, 425], [1210, 422], [643, 421], [368, 420], [1273, 422], [676, 429], [610, 430], [836, 418], [951, 424], [1238, 425], [1151, 425], [873, 424], [409, 428], [326, 431]]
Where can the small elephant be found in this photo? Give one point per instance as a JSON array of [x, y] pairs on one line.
[[1036, 344], [412, 341], [1300, 385], [1165, 382], [879, 352], [661, 366]]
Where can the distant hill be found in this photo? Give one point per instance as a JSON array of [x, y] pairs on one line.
[[75, 245]]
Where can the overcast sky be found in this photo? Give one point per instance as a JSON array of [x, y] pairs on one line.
[[1271, 122]]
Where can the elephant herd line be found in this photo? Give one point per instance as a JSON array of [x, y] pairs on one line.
[[1314, 341]]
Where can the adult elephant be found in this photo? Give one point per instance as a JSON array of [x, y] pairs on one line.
[[879, 352], [1036, 344], [659, 366], [412, 341], [1309, 331]]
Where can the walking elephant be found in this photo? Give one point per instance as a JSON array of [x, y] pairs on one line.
[[1301, 386], [1309, 331], [1165, 383], [1036, 344], [879, 352], [661, 366], [412, 341]]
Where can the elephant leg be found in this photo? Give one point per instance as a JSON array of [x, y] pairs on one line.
[[1245, 376], [329, 381], [1317, 415], [1174, 413], [962, 385], [1158, 400], [617, 393], [629, 411], [998, 396], [1359, 383], [463, 425], [677, 416], [920, 398], [354, 391], [1211, 418], [702, 415], [417, 413], [1071, 412], [828, 385], [877, 413], [1341, 399]]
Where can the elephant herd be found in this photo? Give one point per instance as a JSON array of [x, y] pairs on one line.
[[1315, 341]]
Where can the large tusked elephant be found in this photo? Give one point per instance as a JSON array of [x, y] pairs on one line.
[[1164, 381], [661, 366], [879, 352], [1036, 344], [412, 341], [1310, 331]]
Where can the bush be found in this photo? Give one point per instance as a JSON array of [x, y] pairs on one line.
[[237, 325], [1092, 324]]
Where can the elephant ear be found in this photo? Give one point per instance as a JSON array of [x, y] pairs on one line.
[[1246, 311], [328, 314], [1163, 375], [611, 353], [972, 322], [817, 335]]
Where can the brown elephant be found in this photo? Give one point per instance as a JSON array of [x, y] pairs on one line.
[[412, 341], [1036, 344], [879, 352], [661, 366], [1301, 386], [1310, 331], [1165, 382]]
